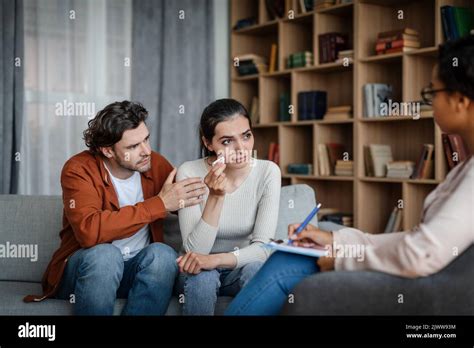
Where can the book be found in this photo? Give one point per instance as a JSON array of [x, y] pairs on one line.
[[375, 94], [323, 160], [335, 152], [343, 112], [254, 111], [312, 105], [250, 64], [284, 112], [382, 46], [340, 218], [400, 169], [273, 58], [344, 168], [424, 166], [391, 221], [330, 44], [275, 8], [457, 22], [397, 224], [244, 23], [379, 155], [300, 168], [390, 33]]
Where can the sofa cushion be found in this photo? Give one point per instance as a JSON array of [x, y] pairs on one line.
[[296, 202], [29, 221], [11, 302]]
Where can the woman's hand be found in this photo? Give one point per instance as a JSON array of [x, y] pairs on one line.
[[216, 180], [310, 236], [194, 263]]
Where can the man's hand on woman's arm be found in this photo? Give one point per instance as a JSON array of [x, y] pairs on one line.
[[182, 194]]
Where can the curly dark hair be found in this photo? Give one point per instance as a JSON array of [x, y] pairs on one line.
[[458, 77], [108, 126]]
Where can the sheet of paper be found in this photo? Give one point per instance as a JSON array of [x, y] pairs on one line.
[[297, 250]]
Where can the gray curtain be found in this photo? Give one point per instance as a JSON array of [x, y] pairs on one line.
[[173, 71], [11, 92]]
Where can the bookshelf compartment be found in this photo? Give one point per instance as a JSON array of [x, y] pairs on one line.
[[379, 72], [413, 198], [244, 91], [338, 85], [417, 71], [413, 133], [376, 202], [336, 21], [381, 15], [241, 9], [270, 91], [333, 133], [296, 35], [331, 194], [263, 137], [296, 145], [253, 42]]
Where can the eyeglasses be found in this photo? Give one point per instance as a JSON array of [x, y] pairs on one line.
[[427, 94]]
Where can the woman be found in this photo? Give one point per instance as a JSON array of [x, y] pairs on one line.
[[223, 236], [446, 228]]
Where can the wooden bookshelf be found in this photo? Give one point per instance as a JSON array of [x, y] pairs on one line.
[[370, 199]]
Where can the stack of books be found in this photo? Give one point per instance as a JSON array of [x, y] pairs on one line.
[[274, 152], [375, 94], [330, 44], [300, 60], [343, 112], [328, 156], [457, 21], [424, 166], [344, 219], [395, 41], [454, 148], [285, 101], [400, 169], [300, 168], [376, 157], [345, 56], [394, 223], [245, 22], [249, 64], [344, 168], [312, 105]]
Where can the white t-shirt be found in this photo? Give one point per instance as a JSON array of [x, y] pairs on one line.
[[130, 192]]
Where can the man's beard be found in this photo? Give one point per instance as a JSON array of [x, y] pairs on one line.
[[137, 167]]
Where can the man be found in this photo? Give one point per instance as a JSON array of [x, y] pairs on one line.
[[115, 196]]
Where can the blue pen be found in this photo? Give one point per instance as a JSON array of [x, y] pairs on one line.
[[306, 221]]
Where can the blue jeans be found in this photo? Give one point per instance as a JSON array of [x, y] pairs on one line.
[[98, 275], [201, 290], [268, 291]]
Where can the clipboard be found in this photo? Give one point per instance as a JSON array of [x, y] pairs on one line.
[[285, 247]]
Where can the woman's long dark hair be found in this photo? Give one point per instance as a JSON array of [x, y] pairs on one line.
[[216, 112]]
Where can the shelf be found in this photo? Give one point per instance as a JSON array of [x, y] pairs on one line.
[[400, 180], [393, 118], [246, 78], [316, 177], [258, 29], [383, 57], [301, 18]]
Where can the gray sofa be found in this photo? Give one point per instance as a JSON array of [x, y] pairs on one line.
[[37, 220]]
